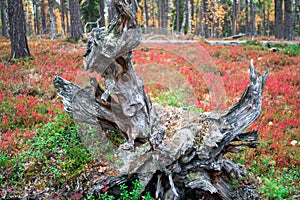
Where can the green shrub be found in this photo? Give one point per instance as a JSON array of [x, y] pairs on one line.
[[292, 50], [126, 193], [55, 155]]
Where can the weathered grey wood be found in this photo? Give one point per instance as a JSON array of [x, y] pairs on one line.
[[240, 42], [175, 153]]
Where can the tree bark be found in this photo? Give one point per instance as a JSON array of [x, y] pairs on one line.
[[36, 17], [4, 20], [268, 18], [247, 17], [233, 25], [111, 10], [52, 19], [17, 29], [175, 153], [62, 16], [177, 16], [101, 13], [76, 26], [146, 13], [252, 18], [184, 17], [264, 17], [288, 20], [67, 20], [297, 17], [205, 20], [278, 29], [189, 17], [43, 16]]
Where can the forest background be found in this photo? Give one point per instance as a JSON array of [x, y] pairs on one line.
[[209, 19]]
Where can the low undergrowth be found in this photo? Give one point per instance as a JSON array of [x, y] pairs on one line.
[[53, 158], [40, 149]]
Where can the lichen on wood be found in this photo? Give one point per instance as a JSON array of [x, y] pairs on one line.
[[174, 152]]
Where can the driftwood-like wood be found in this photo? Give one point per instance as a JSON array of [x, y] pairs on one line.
[[175, 153]]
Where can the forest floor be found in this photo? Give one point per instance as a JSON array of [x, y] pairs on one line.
[[41, 153]]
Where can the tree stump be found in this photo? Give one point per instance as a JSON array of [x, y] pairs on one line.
[[175, 153]]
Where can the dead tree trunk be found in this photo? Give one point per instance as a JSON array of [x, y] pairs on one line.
[[176, 154]]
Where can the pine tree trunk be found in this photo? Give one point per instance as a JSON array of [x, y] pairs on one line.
[[62, 16], [43, 16], [17, 29], [206, 21], [166, 14], [247, 17], [189, 17], [76, 26], [278, 29], [177, 16], [101, 13], [184, 20], [201, 21], [67, 20], [4, 19], [252, 18], [268, 19], [288, 20], [161, 13], [297, 17], [264, 17], [36, 17], [233, 25], [28, 19], [146, 13], [52, 19]]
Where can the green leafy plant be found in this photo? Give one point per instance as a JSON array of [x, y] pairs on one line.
[[272, 190], [292, 50], [56, 152], [126, 193]]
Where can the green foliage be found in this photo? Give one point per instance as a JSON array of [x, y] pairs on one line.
[[148, 196], [126, 193], [56, 154], [134, 194], [274, 183], [175, 98], [251, 42], [292, 50], [272, 190], [137, 188], [105, 196]]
